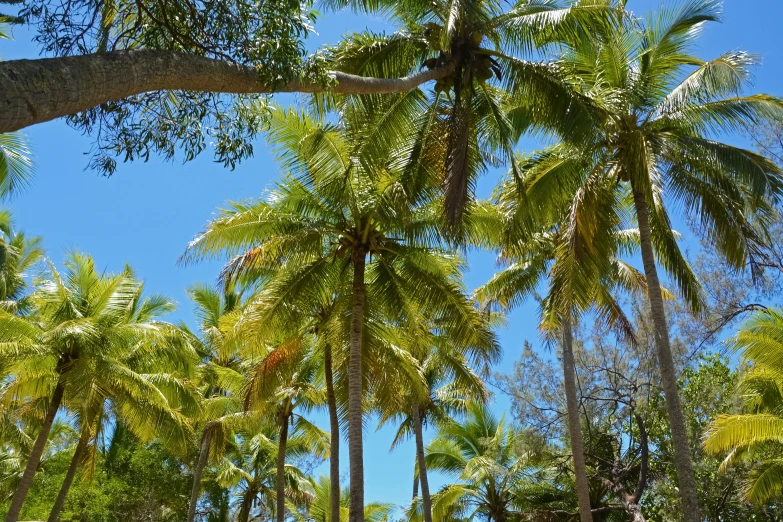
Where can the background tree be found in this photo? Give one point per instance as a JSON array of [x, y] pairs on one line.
[[451, 383], [482, 452], [754, 434], [146, 362], [655, 107], [80, 325], [220, 377], [18, 254], [250, 470], [319, 507], [331, 218]]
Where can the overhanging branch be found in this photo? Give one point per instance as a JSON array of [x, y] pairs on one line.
[[35, 91]]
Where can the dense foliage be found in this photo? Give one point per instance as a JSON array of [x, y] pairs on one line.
[[342, 300]]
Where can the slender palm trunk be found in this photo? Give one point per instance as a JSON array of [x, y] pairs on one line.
[[334, 442], [425, 486], [280, 482], [59, 502], [355, 392], [197, 472], [574, 426], [246, 506], [35, 455], [682, 452], [416, 484]]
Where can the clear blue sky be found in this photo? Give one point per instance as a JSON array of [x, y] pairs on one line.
[[147, 212]]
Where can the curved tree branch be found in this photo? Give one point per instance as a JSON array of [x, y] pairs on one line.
[[644, 459], [35, 91]]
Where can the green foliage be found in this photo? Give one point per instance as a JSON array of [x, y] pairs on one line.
[[386, 190], [268, 35], [133, 481], [753, 435]]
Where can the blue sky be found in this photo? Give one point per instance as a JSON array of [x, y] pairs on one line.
[[147, 212]]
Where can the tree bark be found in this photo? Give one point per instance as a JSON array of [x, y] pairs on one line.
[[35, 91], [682, 452], [246, 506], [334, 441], [631, 502], [355, 391], [35, 455], [416, 484], [280, 482], [426, 500], [59, 502], [203, 455], [574, 424]]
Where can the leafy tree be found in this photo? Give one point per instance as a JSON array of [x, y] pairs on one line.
[[200, 72], [133, 480]]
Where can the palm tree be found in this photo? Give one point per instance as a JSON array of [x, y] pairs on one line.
[[250, 469], [582, 267], [18, 253], [326, 222], [481, 452], [655, 107], [17, 433], [16, 167], [319, 506], [220, 376], [446, 362], [473, 118], [166, 359], [80, 325], [282, 382], [755, 434]]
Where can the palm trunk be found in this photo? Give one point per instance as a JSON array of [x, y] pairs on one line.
[[682, 452], [334, 442], [35, 455], [425, 486], [415, 485], [355, 392], [197, 472], [246, 506], [59, 502], [574, 426], [280, 482]]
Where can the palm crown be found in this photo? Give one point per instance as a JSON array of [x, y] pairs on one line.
[[475, 116]]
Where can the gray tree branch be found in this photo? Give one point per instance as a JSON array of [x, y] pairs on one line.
[[35, 91]]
